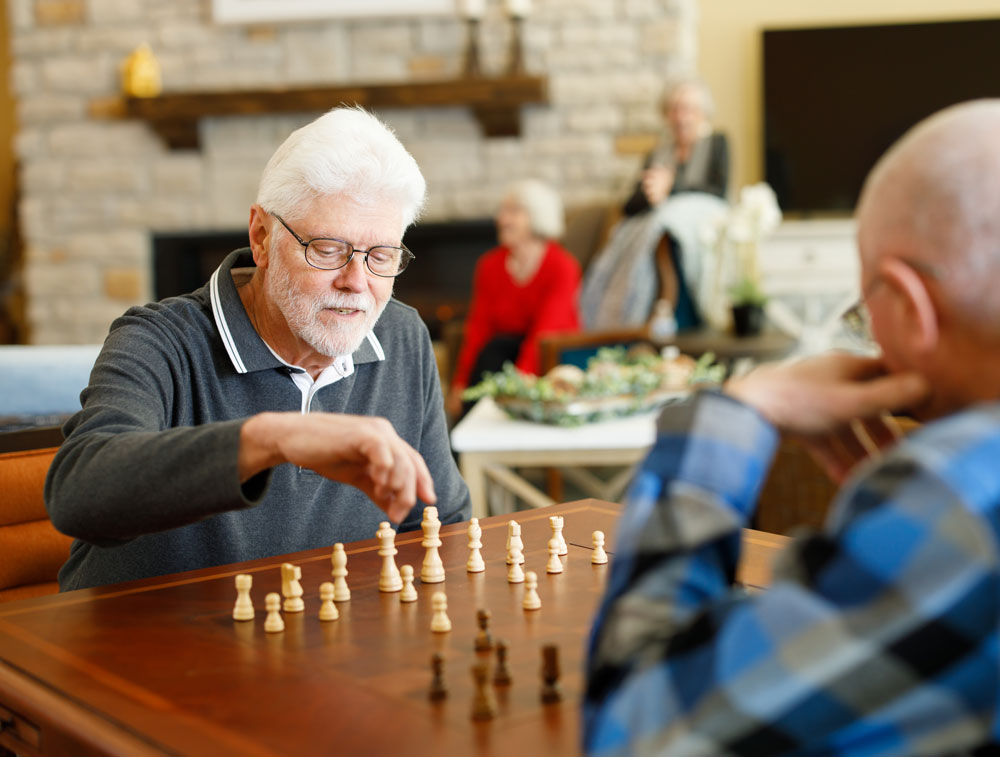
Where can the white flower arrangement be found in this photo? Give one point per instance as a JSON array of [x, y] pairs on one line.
[[735, 237]]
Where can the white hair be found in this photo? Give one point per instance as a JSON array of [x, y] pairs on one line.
[[675, 85], [543, 205], [345, 151], [937, 191]]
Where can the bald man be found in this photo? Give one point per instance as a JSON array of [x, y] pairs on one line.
[[880, 632]]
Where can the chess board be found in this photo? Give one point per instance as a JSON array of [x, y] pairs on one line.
[[160, 666]]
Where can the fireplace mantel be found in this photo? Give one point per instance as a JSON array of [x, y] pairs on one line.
[[496, 103]]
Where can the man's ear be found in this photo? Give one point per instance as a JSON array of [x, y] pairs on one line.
[[917, 309], [259, 235]]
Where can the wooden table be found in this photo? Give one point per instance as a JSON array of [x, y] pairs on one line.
[[159, 666]]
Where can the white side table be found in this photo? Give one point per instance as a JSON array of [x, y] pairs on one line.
[[490, 444]]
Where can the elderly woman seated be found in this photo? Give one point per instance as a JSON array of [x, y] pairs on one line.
[[526, 287], [656, 252]]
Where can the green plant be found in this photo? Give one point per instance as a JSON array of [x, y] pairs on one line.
[[747, 291]]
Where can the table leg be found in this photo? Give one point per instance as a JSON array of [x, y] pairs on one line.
[[471, 466]]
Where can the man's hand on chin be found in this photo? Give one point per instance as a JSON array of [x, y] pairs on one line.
[[838, 404]]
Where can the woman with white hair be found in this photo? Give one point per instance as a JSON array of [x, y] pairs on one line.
[[691, 158], [653, 261], [524, 288]]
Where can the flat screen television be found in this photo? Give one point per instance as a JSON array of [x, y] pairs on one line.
[[835, 98]]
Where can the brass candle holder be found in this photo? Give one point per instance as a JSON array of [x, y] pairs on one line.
[[515, 57], [471, 68]]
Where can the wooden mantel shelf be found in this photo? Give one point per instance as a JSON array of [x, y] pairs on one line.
[[496, 103]]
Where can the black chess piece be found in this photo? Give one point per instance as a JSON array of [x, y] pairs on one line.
[[437, 691], [483, 704], [551, 692], [484, 639], [501, 675]]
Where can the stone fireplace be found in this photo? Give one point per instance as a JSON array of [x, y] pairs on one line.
[[95, 192]]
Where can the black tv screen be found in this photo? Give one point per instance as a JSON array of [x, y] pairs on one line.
[[835, 98]]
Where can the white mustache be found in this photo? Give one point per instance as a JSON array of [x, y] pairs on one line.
[[347, 302]]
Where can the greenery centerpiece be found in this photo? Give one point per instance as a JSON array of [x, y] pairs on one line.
[[616, 383]]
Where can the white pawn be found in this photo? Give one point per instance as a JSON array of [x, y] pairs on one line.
[[440, 622], [515, 574], [554, 564], [388, 579], [243, 609], [556, 521], [341, 592], [328, 610], [274, 623], [531, 599], [432, 569], [599, 557], [475, 563], [409, 594], [291, 588]]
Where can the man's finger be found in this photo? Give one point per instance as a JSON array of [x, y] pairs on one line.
[[886, 393]]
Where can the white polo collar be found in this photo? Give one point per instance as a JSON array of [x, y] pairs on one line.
[[246, 350]]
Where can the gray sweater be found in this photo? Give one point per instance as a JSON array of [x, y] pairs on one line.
[[147, 481]]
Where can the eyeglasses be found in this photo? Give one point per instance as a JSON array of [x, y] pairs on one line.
[[857, 320], [331, 254]]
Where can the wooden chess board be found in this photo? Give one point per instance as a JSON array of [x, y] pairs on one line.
[[160, 666]]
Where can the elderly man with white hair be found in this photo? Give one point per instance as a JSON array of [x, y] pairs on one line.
[[288, 404], [880, 633]]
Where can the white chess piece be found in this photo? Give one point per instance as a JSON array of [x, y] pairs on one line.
[[475, 563], [599, 557], [327, 610], [515, 574], [341, 592], [554, 564], [291, 588], [243, 609], [408, 594], [274, 623], [556, 521], [388, 580], [516, 544], [440, 623], [432, 570], [531, 599], [510, 532]]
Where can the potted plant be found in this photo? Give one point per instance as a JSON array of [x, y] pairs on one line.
[[735, 239], [747, 301]]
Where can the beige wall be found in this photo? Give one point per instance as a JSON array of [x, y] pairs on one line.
[[730, 52]]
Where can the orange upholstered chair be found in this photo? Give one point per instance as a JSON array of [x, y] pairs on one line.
[[31, 550]]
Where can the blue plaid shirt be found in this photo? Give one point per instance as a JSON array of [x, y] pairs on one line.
[[878, 635]]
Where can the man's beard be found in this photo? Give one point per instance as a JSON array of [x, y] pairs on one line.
[[331, 338]]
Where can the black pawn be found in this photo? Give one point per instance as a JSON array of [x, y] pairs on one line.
[[550, 674], [484, 639], [437, 691], [501, 676]]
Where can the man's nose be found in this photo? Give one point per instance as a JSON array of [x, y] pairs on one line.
[[354, 275]]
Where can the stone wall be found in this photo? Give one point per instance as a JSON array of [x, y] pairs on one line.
[[93, 190]]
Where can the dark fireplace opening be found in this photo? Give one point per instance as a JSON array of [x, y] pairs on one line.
[[438, 283]]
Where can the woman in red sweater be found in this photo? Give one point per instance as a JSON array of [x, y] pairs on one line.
[[526, 287]]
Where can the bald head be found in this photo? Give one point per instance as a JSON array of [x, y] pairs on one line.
[[935, 198]]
